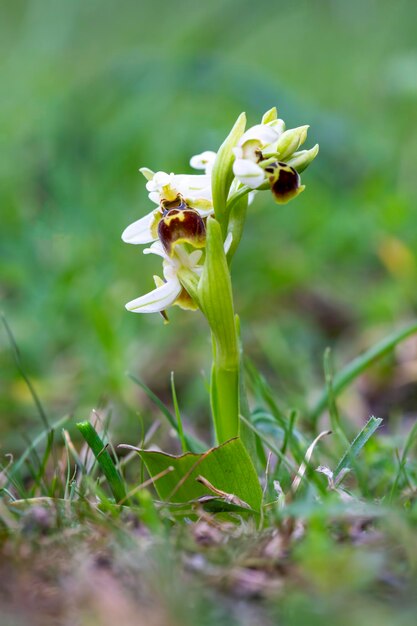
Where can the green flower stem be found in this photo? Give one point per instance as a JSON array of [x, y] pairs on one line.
[[236, 225], [224, 391], [235, 197], [216, 302]]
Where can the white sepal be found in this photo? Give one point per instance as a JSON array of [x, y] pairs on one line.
[[157, 300], [203, 161], [159, 181], [140, 231], [157, 248], [147, 173], [262, 133], [278, 126]]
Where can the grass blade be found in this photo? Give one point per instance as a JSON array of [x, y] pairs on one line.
[[181, 436], [357, 444], [193, 444], [45, 433], [335, 420], [269, 444], [18, 361], [287, 437], [104, 460], [359, 365], [411, 439], [264, 392]]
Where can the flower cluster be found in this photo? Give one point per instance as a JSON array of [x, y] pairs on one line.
[[265, 156]]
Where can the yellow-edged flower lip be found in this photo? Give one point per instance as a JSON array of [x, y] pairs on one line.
[[180, 224], [284, 181]]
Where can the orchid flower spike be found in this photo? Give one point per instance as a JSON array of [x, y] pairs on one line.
[[193, 190]]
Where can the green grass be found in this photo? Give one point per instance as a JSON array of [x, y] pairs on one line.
[[90, 93], [333, 545]]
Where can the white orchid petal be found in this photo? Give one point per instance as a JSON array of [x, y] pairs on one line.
[[154, 196], [260, 132], [157, 300], [203, 161], [159, 180], [140, 231], [238, 152], [156, 248], [194, 257], [147, 173], [170, 269], [198, 194], [186, 183], [248, 173], [278, 126]]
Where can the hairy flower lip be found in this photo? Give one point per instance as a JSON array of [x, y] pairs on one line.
[[284, 181], [181, 226]]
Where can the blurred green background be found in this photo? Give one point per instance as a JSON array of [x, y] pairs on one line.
[[92, 90]]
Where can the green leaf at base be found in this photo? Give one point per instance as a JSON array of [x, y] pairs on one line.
[[227, 467]]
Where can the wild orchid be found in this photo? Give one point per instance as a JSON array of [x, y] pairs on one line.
[[196, 229]]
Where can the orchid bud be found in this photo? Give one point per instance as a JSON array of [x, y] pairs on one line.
[[278, 126], [301, 160], [270, 115], [290, 141], [147, 173]]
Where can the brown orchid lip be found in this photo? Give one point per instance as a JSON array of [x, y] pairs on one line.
[[179, 225], [284, 181]]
